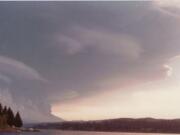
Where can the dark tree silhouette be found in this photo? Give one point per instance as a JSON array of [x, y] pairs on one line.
[[1, 109], [10, 117], [4, 111], [18, 121], [7, 117]]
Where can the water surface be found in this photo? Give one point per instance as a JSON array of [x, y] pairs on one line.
[[59, 132]]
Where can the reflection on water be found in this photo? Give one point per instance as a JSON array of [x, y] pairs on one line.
[[58, 132]]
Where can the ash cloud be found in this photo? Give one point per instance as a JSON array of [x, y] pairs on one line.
[[58, 51]]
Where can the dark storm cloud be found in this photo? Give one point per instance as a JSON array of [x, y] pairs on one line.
[[56, 51]]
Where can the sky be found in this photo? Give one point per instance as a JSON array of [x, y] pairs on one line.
[[90, 60]]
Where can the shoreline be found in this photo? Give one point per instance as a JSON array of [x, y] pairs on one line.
[[8, 130], [17, 130]]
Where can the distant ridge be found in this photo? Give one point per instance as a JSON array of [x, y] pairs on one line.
[[147, 125]]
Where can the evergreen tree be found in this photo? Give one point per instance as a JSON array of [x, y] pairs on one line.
[[10, 117], [4, 111], [18, 121], [7, 118], [1, 109]]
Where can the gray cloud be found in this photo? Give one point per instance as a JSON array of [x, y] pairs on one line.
[[17, 68], [105, 42], [57, 51], [21, 88]]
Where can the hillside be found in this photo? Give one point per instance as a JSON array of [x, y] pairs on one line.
[[149, 125]]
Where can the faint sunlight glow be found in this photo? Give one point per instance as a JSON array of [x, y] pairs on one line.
[[169, 70], [168, 3], [158, 99]]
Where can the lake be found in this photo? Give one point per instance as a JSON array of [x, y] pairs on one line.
[[58, 132]]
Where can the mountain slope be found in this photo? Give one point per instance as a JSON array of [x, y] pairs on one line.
[[119, 125]]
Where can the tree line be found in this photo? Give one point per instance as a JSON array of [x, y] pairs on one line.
[[8, 118], [148, 125]]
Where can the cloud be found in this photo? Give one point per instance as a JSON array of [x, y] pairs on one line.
[[171, 7], [17, 81], [57, 52], [18, 69], [168, 3], [104, 42]]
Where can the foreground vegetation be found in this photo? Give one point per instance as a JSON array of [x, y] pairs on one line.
[[146, 125], [8, 120]]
